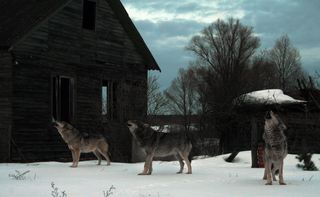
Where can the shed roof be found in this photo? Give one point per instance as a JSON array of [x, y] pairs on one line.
[[19, 17], [263, 100], [268, 97]]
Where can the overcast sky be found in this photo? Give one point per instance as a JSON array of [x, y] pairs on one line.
[[168, 25]]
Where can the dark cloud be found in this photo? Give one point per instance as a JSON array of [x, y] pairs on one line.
[[270, 19], [167, 29], [170, 54], [189, 7]]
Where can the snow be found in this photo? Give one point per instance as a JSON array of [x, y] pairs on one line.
[[211, 177], [269, 96], [163, 129]]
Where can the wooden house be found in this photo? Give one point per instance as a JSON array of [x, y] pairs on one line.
[[81, 61]]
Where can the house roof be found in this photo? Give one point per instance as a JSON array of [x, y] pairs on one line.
[[19, 17]]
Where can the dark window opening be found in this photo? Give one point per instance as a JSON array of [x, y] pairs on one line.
[[62, 98], [109, 100], [65, 102], [114, 101], [89, 15]]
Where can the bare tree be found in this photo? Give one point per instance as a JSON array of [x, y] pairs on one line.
[[157, 102], [182, 95], [316, 78], [263, 74], [225, 48], [286, 58]]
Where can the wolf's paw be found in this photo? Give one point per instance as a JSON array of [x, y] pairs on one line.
[[108, 164], [180, 172], [282, 183], [268, 183], [144, 173], [189, 173], [73, 166]]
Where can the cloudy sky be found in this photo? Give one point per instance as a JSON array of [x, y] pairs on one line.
[[168, 25]]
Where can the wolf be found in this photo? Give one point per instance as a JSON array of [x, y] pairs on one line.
[[276, 148], [160, 144], [82, 142]]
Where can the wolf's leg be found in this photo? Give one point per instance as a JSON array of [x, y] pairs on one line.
[[180, 162], [147, 164], [268, 170], [265, 169], [274, 173], [265, 172], [73, 158], [103, 150], [185, 158], [150, 168], [281, 181], [97, 154], [76, 158]]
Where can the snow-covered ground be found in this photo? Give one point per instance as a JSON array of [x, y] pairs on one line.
[[211, 177]]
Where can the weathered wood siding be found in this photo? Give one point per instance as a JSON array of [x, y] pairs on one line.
[[5, 104], [61, 47]]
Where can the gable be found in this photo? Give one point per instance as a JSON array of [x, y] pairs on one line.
[[17, 17], [20, 17]]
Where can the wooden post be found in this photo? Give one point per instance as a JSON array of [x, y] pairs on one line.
[[254, 143]]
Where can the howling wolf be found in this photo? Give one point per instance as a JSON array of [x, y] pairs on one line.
[[161, 144], [78, 142], [275, 147]]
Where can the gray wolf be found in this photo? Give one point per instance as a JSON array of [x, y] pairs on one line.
[[160, 144], [275, 147], [82, 142]]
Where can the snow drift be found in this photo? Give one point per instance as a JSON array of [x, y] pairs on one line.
[[211, 177]]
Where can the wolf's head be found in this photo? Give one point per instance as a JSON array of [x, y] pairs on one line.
[[272, 120], [135, 125], [62, 126], [140, 130]]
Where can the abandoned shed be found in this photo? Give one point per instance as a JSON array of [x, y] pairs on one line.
[[298, 112], [81, 61]]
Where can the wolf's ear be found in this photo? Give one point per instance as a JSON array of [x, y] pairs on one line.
[[146, 125]]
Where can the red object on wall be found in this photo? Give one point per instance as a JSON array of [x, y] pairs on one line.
[[260, 155]]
